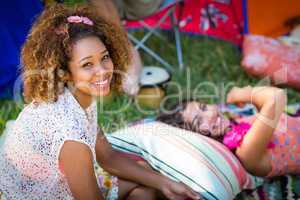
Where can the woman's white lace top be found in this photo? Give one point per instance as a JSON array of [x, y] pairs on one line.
[[29, 167]]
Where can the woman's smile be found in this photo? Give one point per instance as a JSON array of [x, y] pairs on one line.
[[91, 69], [101, 84]]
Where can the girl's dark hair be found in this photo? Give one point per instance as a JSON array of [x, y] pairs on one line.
[[174, 117], [46, 52]]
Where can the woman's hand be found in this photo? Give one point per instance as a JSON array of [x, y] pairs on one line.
[[177, 191], [128, 169]]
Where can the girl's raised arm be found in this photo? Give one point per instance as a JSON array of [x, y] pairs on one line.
[[270, 102]]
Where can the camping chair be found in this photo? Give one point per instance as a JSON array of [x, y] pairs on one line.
[[170, 5], [140, 44]]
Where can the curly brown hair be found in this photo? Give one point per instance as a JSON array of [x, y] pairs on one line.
[[46, 52]]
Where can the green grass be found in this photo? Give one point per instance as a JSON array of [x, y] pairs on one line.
[[206, 60]]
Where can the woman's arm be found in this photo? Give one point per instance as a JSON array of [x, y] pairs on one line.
[[270, 102], [123, 167], [76, 159]]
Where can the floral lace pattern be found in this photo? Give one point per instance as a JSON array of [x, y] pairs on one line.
[[29, 156]]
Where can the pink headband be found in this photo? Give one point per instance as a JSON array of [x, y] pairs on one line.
[[80, 19]]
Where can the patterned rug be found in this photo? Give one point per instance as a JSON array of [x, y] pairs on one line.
[[280, 188]]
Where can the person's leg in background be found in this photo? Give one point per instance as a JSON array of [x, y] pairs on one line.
[[107, 9]]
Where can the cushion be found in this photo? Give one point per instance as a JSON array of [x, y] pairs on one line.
[[267, 57], [202, 163]]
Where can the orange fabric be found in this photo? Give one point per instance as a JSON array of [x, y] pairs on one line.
[[267, 17]]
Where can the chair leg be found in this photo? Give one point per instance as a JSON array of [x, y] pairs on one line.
[[152, 31], [150, 52], [175, 26]]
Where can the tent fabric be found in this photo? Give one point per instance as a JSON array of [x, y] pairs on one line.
[[268, 17], [222, 19], [16, 17]]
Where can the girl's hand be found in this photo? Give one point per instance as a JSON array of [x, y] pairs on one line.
[[258, 96], [178, 191], [239, 95]]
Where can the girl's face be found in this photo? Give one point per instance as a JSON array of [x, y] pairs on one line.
[[91, 69], [205, 118]]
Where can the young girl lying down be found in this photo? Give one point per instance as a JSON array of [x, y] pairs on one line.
[[267, 144]]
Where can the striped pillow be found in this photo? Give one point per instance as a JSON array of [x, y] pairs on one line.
[[198, 161]]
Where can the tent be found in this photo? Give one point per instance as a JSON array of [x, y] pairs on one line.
[[268, 17], [16, 19]]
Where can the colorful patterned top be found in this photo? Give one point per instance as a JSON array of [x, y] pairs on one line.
[[285, 150]]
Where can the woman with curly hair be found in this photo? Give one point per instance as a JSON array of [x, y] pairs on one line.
[[71, 56]]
